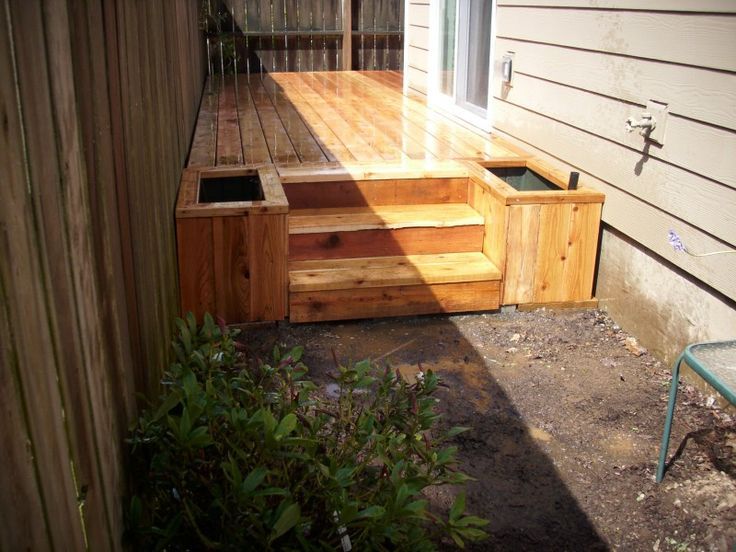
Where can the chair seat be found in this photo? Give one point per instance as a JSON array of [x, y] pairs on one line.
[[715, 362]]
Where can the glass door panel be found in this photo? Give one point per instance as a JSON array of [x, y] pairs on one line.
[[479, 53], [448, 28], [464, 56]]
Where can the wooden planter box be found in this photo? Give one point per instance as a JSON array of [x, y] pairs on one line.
[[545, 242], [232, 244]]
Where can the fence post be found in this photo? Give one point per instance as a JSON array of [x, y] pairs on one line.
[[347, 35]]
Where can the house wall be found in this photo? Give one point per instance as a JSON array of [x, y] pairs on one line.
[[581, 67], [416, 53]]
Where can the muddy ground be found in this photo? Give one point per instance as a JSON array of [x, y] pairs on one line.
[[566, 412]]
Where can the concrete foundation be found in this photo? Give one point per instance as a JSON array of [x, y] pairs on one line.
[[659, 304]]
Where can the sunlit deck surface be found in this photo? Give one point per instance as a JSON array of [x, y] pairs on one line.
[[327, 118]]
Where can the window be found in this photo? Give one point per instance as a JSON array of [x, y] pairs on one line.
[[462, 59]]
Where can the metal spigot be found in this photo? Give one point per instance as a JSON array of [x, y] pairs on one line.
[[646, 124]]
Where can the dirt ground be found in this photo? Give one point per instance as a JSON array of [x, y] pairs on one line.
[[566, 412]]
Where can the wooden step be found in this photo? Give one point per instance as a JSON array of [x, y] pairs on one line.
[[390, 271], [361, 193], [340, 289], [313, 221], [384, 231]]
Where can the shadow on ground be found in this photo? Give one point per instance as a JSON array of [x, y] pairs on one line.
[[566, 412], [517, 486]]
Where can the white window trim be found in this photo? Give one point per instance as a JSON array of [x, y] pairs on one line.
[[405, 79], [442, 102]]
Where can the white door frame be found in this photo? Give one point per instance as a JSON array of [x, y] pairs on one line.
[[482, 119]]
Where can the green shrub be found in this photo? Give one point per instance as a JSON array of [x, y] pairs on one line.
[[233, 457]]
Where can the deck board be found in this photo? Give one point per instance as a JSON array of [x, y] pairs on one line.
[[229, 148], [322, 118], [255, 148], [343, 133], [278, 140], [378, 114], [354, 115], [306, 147]]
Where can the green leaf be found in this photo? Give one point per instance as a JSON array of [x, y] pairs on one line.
[[365, 381], [254, 479], [446, 456], [344, 476], [271, 491], [135, 511], [456, 537], [169, 402], [456, 431], [402, 495], [363, 366], [396, 472], [173, 426], [472, 534], [192, 323], [296, 354], [286, 426], [468, 521], [458, 507], [199, 437], [458, 478], [232, 472], [185, 424], [371, 512], [416, 507], [185, 336], [209, 328], [268, 421], [288, 519]]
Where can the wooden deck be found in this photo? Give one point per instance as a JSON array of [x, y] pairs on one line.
[[330, 117], [373, 205]]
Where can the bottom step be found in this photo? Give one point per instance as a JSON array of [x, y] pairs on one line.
[[392, 286], [347, 304]]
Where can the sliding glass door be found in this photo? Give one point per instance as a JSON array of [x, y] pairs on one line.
[[464, 57]]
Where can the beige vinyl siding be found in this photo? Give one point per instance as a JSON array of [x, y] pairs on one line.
[[417, 46], [580, 70]]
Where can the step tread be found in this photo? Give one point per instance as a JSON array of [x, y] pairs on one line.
[[366, 272], [347, 219]]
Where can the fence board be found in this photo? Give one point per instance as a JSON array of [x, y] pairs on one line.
[[98, 101], [307, 35]]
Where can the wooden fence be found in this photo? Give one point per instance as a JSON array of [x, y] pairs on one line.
[[97, 104], [249, 36]]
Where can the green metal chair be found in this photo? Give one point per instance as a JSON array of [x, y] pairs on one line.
[[715, 362]]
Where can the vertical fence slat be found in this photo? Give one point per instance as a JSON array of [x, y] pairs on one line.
[[97, 418], [27, 529], [316, 35], [29, 306]]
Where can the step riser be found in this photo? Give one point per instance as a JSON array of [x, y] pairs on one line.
[[317, 306], [382, 243], [360, 193]]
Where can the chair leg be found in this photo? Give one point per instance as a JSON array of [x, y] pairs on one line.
[[668, 420]]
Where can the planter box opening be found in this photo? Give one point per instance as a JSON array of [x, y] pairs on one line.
[[227, 189], [523, 179]]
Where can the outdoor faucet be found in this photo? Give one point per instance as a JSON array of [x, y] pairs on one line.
[[645, 125]]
